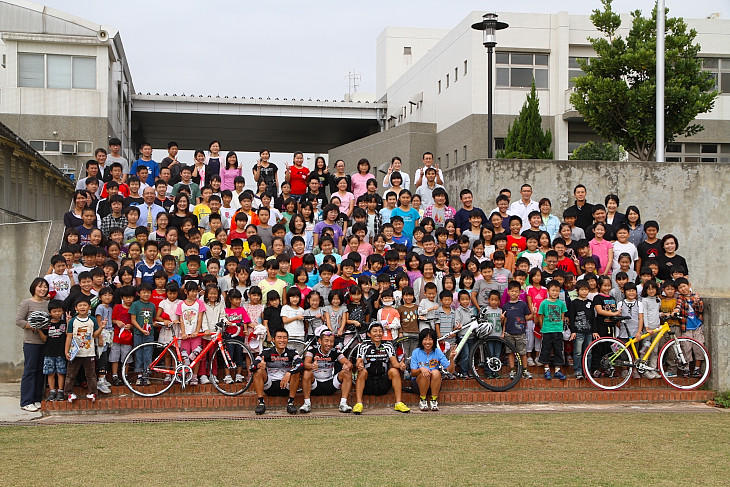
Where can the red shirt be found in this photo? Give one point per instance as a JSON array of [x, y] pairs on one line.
[[157, 297], [123, 190], [520, 242], [342, 283], [566, 264], [236, 234], [120, 313], [298, 180], [296, 262]]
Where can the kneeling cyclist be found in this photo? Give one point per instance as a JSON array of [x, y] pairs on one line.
[[277, 372], [326, 370]]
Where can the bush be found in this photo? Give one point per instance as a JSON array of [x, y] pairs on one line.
[[592, 151]]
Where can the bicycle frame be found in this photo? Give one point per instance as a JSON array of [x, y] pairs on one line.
[[217, 339], [630, 345]]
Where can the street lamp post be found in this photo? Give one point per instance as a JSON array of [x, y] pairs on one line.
[[490, 25]]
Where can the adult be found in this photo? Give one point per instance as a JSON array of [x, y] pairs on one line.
[[72, 218], [101, 156], [340, 173], [172, 163], [181, 207], [149, 210], [613, 216], [359, 180], [599, 216], [92, 171], [425, 363], [550, 222], [213, 161], [230, 172], [464, 213], [326, 371], [425, 190], [378, 370], [583, 209], [670, 258], [115, 147], [296, 175], [266, 171], [322, 172], [427, 160], [145, 160], [32, 383], [277, 372], [315, 194], [524, 206], [636, 228], [396, 165]]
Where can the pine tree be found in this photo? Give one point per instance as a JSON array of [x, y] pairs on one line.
[[525, 138]]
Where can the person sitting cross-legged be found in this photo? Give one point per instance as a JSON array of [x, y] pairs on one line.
[[326, 370], [277, 372]]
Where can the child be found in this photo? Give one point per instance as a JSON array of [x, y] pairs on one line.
[[536, 293], [465, 314], [292, 314], [324, 286], [191, 311], [482, 287], [103, 315], [334, 314], [272, 318], [583, 329], [389, 316], [81, 330], [622, 247], [314, 314], [427, 307], [259, 272], [123, 338], [142, 313], [235, 314], [356, 317], [652, 305], [54, 361], [550, 316], [170, 322], [624, 265], [690, 310], [516, 315], [61, 279], [493, 315]]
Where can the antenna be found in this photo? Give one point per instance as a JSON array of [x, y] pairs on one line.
[[353, 81]]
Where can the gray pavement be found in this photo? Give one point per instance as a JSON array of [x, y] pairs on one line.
[[10, 411]]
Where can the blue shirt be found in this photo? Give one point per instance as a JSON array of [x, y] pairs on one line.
[[152, 175], [147, 273], [431, 361], [410, 218]]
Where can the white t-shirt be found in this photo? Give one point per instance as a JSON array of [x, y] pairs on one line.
[[296, 327], [189, 315], [627, 248], [61, 284]]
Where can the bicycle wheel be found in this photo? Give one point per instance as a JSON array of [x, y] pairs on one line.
[[163, 366], [299, 345], [404, 347], [491, 359], [673, 357], [352, 357], [607, 363], [232, 358]]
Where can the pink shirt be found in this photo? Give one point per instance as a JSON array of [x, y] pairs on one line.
[[227, 177], [359, 184], [600, 250], [345, 201], [537, 295]]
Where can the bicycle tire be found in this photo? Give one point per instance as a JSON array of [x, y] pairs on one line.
[[352, 357], [160, 370], [608, 372], [679, 382], [403, 346], [489, 359], [224, 358], [299, 345]]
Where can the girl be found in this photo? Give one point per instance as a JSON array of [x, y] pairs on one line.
[[396, 181], [71, 237], [215, 183], [571, 246], [114, 252], [425, 368], [347, 199], [260, 190], [477, 251], [212, 162], [297, 226], [452, 238], [544, 242], [442, 236], [297, 174], [428, 275], [413, 267], [359, 180], [191, 312], [416, 203], [135, 252], [356, 317], [300, 282], [395, 166], [32, 384], [237, 316], [636, 228], [255, 309], [606, 307], [323, 173], [314, 312], [339, 173], [466, 282], [266, 171], [241, 280], [309, 216], [603, 249], [652, 304], [290, 209], [283, 196], [163, 222], [125, 277], [170, 322], [536, 294], [214, 313], [97, 239], [448, 283], [428, 225], [230, 172], [401, 282], [380, 244], [335, 313], [487, 239], [199, 168], [175, 251], [472, 265], [293, 315], [441, 266], [455, 266]]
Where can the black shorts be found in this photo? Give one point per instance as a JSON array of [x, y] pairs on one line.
[[377, 386], [552, 342], [273, 388], [324, 388]]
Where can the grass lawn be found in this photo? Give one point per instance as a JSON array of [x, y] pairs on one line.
[[424, 450]]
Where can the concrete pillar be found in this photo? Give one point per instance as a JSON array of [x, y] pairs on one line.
[[717, 335]]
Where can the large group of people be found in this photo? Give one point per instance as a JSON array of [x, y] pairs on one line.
[[152, 250]]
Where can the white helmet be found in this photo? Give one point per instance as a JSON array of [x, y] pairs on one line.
[[38, 319]]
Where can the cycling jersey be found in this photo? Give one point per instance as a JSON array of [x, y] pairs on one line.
[[327, 364], [278, 364], [376, 359]]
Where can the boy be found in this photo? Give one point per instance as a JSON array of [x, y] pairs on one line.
[[398, 236], [570, 216], [114, 156], [429, 248], [465, 314], [533, 255], [324, 286], [516, 315], [582, 323], [690, 310], [345, 281], [390, 202], [81, 332], [494, 316], [482, 288], [168, 265], [651, 248], [389, 316], [501, 273], [202, 209], [283, 273], [186, 173], [146, 269], [193, 274], [622, 247], [61, 280], [132, 214], [142, 313], [550, 317], [54, 361], [617, 292], [427, 307], [550, 268], [535, 220], [516, 243], [475, 227], [445, 316], [146, 161]]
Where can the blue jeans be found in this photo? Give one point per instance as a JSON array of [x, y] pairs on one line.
[[464, 355], [581, 342], [32, 384], [142, 360]]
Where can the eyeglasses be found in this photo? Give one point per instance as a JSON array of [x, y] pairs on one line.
[[327, 333]]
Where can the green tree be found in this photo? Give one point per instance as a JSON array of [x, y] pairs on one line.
[[617, 93], [592, 151], [526, 139]]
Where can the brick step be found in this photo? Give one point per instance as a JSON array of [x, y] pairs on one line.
[[247, 401]]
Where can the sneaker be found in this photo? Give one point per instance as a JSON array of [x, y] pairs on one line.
[[204, 380], [548, 375], [448, 376], [139, 381], [37, 404], [344, 408], [71, 397], [538, 363], [116, 381], [167, 379], [291, 408], [31, 408], [671, 374], [145, 381], [526, 374], [305, 408], [60, 396], [402, 408], [579, 376], [513, 374], [239, 378], [228, 379], [91, 397], [51, 396], [260, 408], [434, 405], [213, 379], [530, 362], [423, 405], [194, 381], [560, 375], [696, 373], [685, 374], [103, 388], [358, 408]]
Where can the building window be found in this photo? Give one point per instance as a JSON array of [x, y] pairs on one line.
[[37, 145], [447, 81], [697, 152], [84, 147], [720, 69], [517, 69], [456, 156], [574, 69], [439, 86], [407, 51], [498, 143], [463, 153], [456, 75], [465, 68], [56, 71], [447, 159]]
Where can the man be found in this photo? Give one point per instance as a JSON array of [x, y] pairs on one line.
[[146, 160], [467, 208], [101, 156], [427, 163], [582, 208], [277, 373], [92, 171], [524, 206], [425, 191], [149, 210], [165, 176], [326, 370], [115, 146], [161, 196], [172, 163], [378, 369], [314, 193]]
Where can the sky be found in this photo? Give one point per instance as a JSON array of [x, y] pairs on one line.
[[291, 48]]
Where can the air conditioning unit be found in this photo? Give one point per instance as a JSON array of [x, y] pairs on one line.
[[68, 148]]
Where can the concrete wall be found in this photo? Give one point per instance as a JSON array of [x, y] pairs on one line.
[[677, 195], [25, 252], [717, 335]]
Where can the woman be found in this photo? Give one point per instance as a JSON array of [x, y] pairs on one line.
[[636, 228], [212, 161], [32, 384], [613, 217], [181, 208], [339, 173], [395, 166], [550, 223], [670, 258], [73, 218], [425, 362], [360, 178], [323, 173]]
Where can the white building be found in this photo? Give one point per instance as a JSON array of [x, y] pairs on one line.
[[435, 85]]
